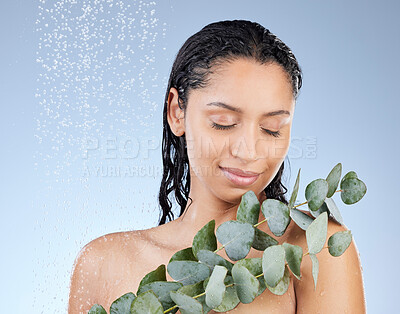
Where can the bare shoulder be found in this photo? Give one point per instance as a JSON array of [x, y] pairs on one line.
[[94, 266], [97, 250], [114, 264], [339, 284]]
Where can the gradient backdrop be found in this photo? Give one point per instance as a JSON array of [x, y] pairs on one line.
[[82, 90]]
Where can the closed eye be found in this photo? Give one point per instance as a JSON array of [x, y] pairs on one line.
[[227, 127]]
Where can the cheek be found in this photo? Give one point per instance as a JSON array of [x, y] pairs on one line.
[[273, 150], [280, 148], [200, 146], [204, 149], [201, 156], [202, 142]]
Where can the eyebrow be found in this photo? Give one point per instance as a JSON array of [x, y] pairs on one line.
[[229, 107]]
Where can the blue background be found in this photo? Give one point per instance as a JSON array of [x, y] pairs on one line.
[[82, 90]]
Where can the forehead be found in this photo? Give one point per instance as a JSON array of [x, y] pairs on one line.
[[244, 82]]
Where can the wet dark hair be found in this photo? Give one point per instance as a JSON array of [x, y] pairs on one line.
[[199, 56]]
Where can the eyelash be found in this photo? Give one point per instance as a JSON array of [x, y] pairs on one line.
[[227, 127]]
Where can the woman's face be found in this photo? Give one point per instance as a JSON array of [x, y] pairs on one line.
[[241, 120]]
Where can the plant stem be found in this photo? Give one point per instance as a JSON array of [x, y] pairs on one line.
[[219, 249], [300, 204], [199, 295], [259, 223], [307, 201], [170, 309]]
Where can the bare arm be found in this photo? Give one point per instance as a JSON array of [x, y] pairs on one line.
[[84, 286], [340, 286]]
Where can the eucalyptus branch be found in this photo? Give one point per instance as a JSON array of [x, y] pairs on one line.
[[193, 266]]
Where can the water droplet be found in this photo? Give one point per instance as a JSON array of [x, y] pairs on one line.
[[97, 67]]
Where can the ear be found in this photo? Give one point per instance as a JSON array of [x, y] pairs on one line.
[[175, 115]]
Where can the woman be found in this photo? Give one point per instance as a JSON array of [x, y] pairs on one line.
[[228, 114]]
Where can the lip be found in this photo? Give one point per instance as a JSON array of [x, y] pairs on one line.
[[240, 172], [240, 177]]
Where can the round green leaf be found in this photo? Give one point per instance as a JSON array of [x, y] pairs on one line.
[[186, 304], [254, 265], [293, 197], [205, 282], [339, 242], [97, 309], [216, 288], [188, 272], [194, 290], [237, 237], [262, 240], [316, 192], [294, 256], [277, 215], [348, 175], [249, 208], [161, 289], [122, 304], [230, 299], [301, 219], [211, 259], [320, 210], [315, 268], [183, 255], [333, 179], [273, 264], [282, 285], [316, 233], [334, 210], [155, 275], [205, 238], [352, 190], [246, 284], [146, 303]]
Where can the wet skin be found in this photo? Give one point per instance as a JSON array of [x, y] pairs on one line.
[[114, 264]]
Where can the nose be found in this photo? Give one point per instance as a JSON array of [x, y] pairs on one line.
[[245, 146]]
